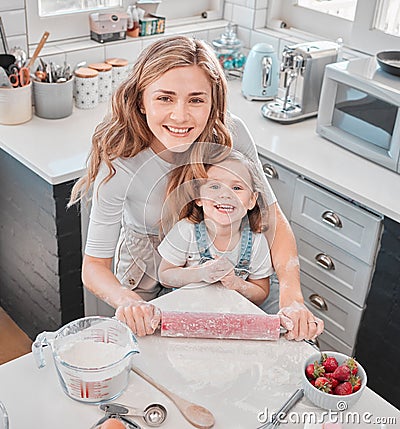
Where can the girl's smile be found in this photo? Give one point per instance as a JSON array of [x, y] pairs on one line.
[[177, 107]]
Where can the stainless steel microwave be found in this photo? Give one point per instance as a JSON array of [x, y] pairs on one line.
[[359, 109]]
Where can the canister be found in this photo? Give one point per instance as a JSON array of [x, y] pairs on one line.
[[105, 80], [86, 88], [16, 105], [120, 68]]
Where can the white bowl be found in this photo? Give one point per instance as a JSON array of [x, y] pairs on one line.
[[329, 401]]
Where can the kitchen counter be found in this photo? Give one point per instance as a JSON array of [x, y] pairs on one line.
[[56, 150], [235, 379]]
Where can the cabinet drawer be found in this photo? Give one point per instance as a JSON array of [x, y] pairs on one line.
[[344, 224], [282, 182], [329, 264], [341, 317]]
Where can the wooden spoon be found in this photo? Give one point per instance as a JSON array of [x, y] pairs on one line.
[[39, 47], [195, 414]]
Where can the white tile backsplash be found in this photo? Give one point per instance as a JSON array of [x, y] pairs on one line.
[[228, 11], [243, 16], [129, 50], [14, 22], [11, 4]]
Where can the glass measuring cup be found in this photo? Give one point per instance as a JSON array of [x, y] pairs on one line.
[[92, 356]]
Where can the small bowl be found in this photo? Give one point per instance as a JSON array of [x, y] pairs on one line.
[[389, 61], [329, 401]]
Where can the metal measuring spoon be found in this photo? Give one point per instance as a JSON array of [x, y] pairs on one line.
[[154, 415]]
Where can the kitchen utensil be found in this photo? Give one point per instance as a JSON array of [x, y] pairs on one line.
[[389, 61], [4, 79], [3, 417], [39, 47], [281, 413], [20, 77], [261, 73], [6, 60], [154, 415], [20, 56], [92, 355], [3, 37], [195, 414]]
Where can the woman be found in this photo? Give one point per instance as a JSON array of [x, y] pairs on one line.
[[175, 97]]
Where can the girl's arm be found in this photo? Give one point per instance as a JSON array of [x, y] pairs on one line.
[[295, 316], [174, 276], [97, 276], [255, 290]]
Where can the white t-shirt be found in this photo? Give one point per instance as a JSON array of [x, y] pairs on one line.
[[134, 196], [179, 247]]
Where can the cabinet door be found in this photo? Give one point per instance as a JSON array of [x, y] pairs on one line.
[[344, 224], [340, 271], [282, 182], [341, 316]]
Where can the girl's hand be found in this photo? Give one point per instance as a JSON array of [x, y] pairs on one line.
[[142, 317], [231, 280], [214, 270], [300, 322]]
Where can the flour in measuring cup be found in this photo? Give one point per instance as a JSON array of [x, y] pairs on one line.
[[90, 354]]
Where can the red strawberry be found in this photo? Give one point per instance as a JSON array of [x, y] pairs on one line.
[[332, 379], [342, 373], [314, 370], [344, 388], [329, 363], [352, 364], [312, 382], [355, 381], [323, 383]]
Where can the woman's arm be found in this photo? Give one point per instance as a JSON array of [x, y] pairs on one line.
[[295, 316], [142, 317]]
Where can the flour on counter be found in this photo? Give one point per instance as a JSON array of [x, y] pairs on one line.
[[90, 354]]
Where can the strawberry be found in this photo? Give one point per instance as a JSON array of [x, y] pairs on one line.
[[332, 379], [355, 381], [342, 373], [323, 383], [352, 364], [344, 388], [329, 363], [314, 370]]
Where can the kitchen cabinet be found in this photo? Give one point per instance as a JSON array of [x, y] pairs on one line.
[[337, 242]]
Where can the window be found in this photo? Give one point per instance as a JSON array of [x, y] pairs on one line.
[[373, 29], [68, 19], [345, 9]]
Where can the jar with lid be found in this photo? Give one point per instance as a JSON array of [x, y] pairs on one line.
[[228, 49]]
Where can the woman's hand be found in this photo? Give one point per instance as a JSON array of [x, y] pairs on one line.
[[112, 424], [142, 317], [300, 322]]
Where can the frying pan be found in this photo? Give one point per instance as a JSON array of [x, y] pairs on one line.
[[389, 61]]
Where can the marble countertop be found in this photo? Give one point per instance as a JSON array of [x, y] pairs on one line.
[[239, 381], [57, 150]]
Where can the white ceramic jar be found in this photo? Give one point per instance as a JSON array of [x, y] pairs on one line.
[[86, 88], [16, 105], [120, 70], [105, 80]]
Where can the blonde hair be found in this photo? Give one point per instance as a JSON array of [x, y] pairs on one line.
[[124, 132], [186, 179]]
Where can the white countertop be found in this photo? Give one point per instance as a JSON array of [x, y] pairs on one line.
[[56, 150], [236, 380]]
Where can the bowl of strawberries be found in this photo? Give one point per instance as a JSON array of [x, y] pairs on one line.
[[333, 381]]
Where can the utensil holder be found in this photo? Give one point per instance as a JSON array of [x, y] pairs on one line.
[[53, 100], [16, 105]]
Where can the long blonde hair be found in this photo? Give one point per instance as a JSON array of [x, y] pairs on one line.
[[124, 132], [185, 181]]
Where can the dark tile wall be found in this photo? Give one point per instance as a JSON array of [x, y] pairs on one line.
[[40, 250], [378, 342]]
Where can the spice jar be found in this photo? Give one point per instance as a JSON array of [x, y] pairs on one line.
[[86, 88], [228, 49], [105, 80], [120, 70]]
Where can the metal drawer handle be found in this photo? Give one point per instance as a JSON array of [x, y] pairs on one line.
[[325, 261], [332, 219], [318, 302], [270, 171]]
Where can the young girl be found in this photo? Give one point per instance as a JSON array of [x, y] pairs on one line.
[[220, 238], [174, 98]]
